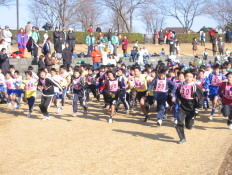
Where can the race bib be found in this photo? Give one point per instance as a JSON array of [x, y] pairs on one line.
[[177, 83], [228, 92], [216, 80], [186, 91], [75, 83], [161, 86], [30, 85], [10, 85], [89, 79], [113, 85], [139, 84]]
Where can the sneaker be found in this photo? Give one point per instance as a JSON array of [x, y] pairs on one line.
[[47, 117], [181, 141], [74, 114], [211, 117], [146, 118], [85, 111], [127, 112], [175, 122], [165, 116], [196, 111], [230, 126], [110, 120], [29, 115], [159, 122], [62, 108], [8, 104], [58, 110], [16, 107]]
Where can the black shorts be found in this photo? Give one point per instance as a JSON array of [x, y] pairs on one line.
[[110, 101], [140, 95]]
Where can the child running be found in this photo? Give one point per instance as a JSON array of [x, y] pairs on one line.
[[225, 92], [190, 96]]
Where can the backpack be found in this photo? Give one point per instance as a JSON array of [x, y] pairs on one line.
[[29, 45]]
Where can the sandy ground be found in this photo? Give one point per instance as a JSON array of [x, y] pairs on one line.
[[88, 145], [186, 49]]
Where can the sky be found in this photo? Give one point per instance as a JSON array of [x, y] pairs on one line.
[[8, 17]]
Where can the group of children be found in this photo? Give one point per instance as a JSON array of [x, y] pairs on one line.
[[182, 89]]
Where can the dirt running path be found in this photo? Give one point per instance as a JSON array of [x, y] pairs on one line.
[[88, 145]]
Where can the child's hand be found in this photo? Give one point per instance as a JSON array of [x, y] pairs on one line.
[[40, 87], [171, 94], [147, 93], [173, 99]]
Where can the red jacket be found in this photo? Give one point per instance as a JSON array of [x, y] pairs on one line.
[[212, 32], [125, 44], [96, 55], [90, 30], [222, 92]]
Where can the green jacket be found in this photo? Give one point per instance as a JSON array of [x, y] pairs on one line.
[[35, 36], [115, 39], [88, 40], [103, 40]]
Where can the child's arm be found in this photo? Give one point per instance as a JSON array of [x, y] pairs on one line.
[[199, 94]]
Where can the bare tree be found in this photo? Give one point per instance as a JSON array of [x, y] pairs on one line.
[[125, 10], [64, 10], [89, 13], [152, 18], [222, 12], [6, 2], [184, 11]]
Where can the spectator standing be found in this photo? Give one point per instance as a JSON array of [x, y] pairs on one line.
[[3, 44], [35, 37], [214, 45], [202, 38], [4, 61], [96, 55], [28, 29], [161, 37], [170, 35], [171, 46], [221, 45], [67, 56], [90, 41], [109, 37], [22, 41], [71, 39], [125, 44], [90, 29], [46, 47], [58, 48], [98, 29], [45, 37], [115, 43], [156, 33], [64, 37], [194, 44], [166, 37], [212, 33], [56, 37], [228, 36], [7, 35]]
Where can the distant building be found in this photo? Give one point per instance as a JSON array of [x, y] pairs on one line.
[[178, 30]]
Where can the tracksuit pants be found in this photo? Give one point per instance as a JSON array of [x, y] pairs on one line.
[[188, 118], [81, 98], [227, 112], [45, 104], [31, 102], [161, 108]]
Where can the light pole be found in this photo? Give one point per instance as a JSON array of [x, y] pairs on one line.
[[17, 9]]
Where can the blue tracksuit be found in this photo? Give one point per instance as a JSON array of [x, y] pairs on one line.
[[161, 97]]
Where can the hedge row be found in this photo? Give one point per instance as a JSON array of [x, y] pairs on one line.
[[80, 36]]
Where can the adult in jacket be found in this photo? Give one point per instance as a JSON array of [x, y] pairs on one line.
[[56, 37], [22, 41], [46, 47], [96, 55], [161, 36], [125, 43], [4, 61], [71, 39], [67, 56], [90, 41]]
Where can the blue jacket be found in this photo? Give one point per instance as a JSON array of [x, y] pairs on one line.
[[213, 89], [170, 88]]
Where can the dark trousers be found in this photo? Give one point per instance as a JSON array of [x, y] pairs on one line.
[[161, 108], [227, 112], [115, 50], [91, 88], [124, 100], [31, 102], [45, 104], [81, 98], [90, 49], [66, 65], [188, 118], [133, 97], [63, 95]]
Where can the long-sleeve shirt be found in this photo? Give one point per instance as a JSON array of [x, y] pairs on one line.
[[162, 87], [212, 83], [190, 96], [225, 92], [48, 85]]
